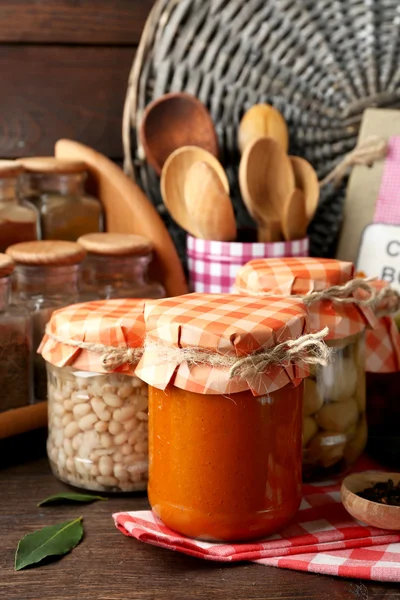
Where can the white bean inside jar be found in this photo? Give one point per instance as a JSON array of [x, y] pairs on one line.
[[334, 429], [97, 429]]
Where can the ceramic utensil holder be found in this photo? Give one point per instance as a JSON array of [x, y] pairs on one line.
[[213, 265]]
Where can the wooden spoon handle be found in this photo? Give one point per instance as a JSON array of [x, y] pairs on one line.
[[269, 232]]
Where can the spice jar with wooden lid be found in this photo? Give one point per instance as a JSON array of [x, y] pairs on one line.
[[97, 406], [334, 420], [116, 266], [19, 220], [57, 189], [46, 278], [225, 391], [15, 346]]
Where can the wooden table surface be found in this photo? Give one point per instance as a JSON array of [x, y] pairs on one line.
[[108, 566]]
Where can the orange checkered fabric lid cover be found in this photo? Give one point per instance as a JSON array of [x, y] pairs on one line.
[[109, 323], [382, 353], [224, 324], [302, 276]]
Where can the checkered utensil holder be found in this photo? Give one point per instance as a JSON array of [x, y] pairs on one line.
[[213, 265]]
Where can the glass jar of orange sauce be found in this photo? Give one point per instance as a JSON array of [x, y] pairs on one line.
[[225, 419]]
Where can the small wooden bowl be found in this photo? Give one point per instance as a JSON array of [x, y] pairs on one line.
[[371, 513]]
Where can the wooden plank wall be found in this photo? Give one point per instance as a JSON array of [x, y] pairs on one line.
[[64, 67]]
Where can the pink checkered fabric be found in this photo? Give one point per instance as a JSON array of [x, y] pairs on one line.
[[322, 538], [387, 209], [213, 265]]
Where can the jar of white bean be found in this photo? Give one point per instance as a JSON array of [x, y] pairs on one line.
[[334, 406], [97, 407], [97, 429]]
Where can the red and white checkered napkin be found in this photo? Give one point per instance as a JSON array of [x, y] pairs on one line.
[[322, 538]]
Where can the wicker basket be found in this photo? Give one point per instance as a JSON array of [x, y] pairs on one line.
[[320, 63]]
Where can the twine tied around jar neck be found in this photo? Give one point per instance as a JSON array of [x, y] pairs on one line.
[[308, 349], [365, 153], [111, 357], [343, 294]]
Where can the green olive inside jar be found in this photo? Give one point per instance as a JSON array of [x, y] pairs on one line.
[[57, 189], [334, 405], [97, 407]]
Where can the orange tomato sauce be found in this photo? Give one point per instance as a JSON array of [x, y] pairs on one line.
[[225, 468]]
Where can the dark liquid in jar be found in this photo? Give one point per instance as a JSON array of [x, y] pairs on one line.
[[383, 414]]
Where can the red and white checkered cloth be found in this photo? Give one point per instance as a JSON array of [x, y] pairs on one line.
[[213, 265], [322, 538]]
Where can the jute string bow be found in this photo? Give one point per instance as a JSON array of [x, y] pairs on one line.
[[365, 153], [344, 294], [308, 349]]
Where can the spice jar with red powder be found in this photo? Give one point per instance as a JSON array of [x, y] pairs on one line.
[[18, 219], [46, 278], [15, 346]]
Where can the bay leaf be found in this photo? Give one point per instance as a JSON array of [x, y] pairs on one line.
[[66, 497], [54, 540]]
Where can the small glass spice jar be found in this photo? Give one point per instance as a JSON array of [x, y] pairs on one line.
[[45, 279], [15, 346], [57, 189], [19, 220], [334, 426], [116, 266], [225, 415], [383, 381], [97, 406]]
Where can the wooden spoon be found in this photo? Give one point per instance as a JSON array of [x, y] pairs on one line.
[[263, 120], [208, 204], [294, 217], [371, 513], [266, 181], [173, 121], [173, 178], [306, 180]]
